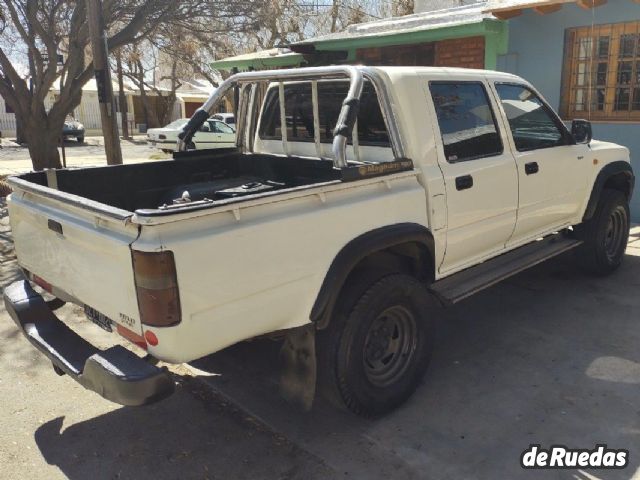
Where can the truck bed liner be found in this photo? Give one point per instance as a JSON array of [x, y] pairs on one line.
[[154, 184]]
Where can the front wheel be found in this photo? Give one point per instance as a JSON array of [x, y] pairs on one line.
[[80, 139], [373, 355], [606, 234]]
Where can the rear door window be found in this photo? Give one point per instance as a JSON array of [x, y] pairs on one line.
[[299, 114], [467, 122]]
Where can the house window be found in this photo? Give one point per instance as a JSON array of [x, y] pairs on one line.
[[601, 78]]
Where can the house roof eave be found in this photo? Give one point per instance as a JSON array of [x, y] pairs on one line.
[[486, 26]]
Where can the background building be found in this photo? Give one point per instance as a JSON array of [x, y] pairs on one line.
[[582, 55]]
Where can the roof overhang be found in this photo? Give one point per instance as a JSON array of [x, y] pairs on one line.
[[486, 26], [264, 59], [506, 9]]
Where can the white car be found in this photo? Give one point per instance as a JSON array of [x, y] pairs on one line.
[[212, 134], [228, 118]]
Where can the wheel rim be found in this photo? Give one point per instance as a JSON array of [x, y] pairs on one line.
[[615, 232], [390, 345]]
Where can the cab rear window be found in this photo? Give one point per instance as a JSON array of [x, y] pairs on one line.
[[299, 114]]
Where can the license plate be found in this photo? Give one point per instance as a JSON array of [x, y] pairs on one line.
[[98, 318]]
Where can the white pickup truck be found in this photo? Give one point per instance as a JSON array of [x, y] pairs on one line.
[[356, 199]]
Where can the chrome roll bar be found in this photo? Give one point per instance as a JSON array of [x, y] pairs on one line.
[[346, 118]]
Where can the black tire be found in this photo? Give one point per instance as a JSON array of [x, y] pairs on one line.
[[605, 235], [373, 354], [191, 146], [80, 139]]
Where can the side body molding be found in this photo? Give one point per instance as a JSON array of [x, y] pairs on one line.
[[620, 169], [357, 250]]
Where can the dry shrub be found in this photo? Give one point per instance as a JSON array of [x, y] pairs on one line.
[[5, 189]]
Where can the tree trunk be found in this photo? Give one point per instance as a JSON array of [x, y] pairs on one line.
[[149, 109], [122, 99], [334, 16], [168, 111], [42, 132], [20, 139]]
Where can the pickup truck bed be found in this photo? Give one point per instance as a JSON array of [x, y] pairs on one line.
[[207, 175]]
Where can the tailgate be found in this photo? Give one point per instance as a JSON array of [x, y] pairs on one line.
[[90, 259]]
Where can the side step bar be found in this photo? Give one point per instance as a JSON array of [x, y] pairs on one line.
[[463, 284]]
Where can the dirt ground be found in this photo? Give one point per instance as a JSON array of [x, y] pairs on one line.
[[550, 356]]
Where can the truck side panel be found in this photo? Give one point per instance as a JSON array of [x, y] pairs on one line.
[[259, 270]]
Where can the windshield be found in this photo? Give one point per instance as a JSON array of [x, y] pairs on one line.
[[177, 124]]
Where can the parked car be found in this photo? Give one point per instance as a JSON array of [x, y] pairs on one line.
[[228, 118], [73, 128], [339, 240], [212, 134]]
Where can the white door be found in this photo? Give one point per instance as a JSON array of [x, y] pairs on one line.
[[479, 171], [552, 169]]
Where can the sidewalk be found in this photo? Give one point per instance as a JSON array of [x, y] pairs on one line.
[[16, 160]]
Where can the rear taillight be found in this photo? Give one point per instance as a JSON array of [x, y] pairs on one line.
[[162, 137], [156, 288]]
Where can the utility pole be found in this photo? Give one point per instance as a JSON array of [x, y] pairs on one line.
[[122, 97], [103, 82]]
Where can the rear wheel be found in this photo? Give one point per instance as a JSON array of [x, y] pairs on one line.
[[606, 234], [375, 352]]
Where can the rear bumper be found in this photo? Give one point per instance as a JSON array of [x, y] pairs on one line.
[[116, 374]]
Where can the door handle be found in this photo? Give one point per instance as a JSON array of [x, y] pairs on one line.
[[531, 168], [464, 182]]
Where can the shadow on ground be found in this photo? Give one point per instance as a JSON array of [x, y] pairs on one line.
[[177, 438], [550, 356]]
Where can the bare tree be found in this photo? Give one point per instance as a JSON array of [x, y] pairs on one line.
[[285, 21], [140, 66], [44, 31], [402, 7]]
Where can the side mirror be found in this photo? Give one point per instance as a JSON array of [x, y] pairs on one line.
[[581, 131]]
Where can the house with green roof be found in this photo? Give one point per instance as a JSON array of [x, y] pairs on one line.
[[462, 36]]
